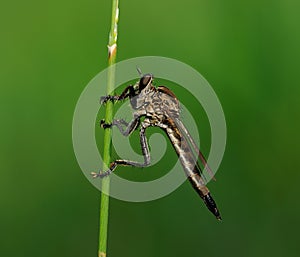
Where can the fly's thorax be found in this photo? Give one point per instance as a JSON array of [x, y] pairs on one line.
[[157, 103]]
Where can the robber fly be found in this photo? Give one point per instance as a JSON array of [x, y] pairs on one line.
[[160, 107]]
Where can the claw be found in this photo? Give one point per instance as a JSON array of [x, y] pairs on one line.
[[104, 125], [102, 122], [105, 99], [100, 174], [95, 175]]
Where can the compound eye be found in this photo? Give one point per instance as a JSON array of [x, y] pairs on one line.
[[145, 80]]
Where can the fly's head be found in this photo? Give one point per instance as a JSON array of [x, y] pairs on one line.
[[141, 90], [144, 84]]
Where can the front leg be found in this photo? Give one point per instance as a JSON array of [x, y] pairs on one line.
[[128, 92]]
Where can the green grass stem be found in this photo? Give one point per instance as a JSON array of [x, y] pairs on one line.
[[104, 206]]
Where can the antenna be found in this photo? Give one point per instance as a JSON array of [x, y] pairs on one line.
[[139, 71]]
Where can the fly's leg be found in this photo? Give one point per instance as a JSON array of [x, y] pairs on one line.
[[128, 91], [145, 151], [120, 123], [117, 123]]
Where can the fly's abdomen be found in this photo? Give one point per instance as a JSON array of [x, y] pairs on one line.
[[189, 164]]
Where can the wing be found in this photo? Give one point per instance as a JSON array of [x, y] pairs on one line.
[[187, 135]]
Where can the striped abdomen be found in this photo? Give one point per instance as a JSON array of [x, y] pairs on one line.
[[189, 164]]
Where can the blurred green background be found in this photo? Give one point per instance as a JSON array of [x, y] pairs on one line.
[[247, 50]]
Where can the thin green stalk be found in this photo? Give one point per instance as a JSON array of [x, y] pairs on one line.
[[104, 207]]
